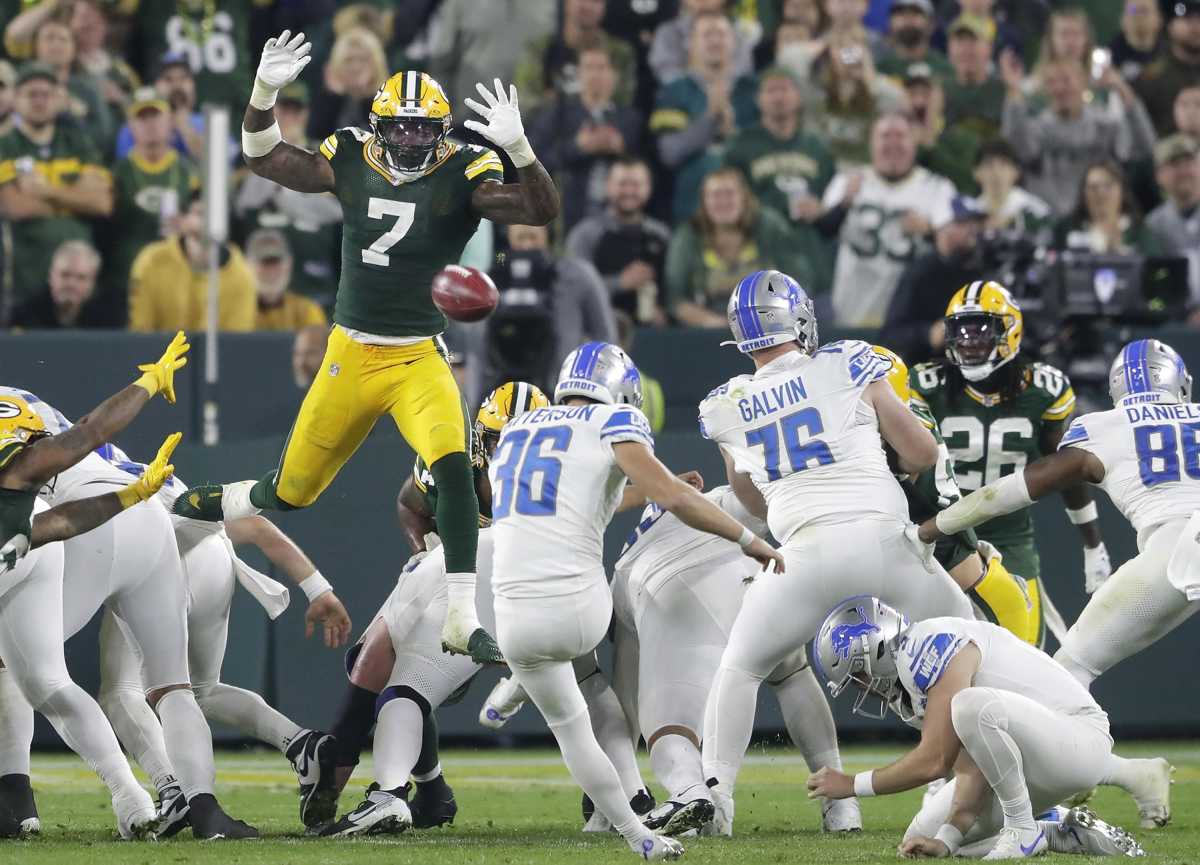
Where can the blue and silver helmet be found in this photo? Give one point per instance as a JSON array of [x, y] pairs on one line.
[[769, 308], [1152, 370], [600, 371], [852, 646]]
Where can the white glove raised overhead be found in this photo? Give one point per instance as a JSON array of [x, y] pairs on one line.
[[1096, 567], [283, 59], [503, 127]]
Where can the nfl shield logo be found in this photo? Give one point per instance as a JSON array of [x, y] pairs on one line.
[[334, 369]]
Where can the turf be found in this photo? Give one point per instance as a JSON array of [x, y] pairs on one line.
[[519, 807]]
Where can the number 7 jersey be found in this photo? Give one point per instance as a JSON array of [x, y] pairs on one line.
[[799, 428]]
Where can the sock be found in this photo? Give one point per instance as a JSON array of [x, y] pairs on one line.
[[397, 742], [428, 765], [16, 727], [354, 723], [808, 718], [677, 765], [981, 721], [189, 742], [139, 730], [249, 713], [236, 500], [728, 723], [612, 731], [457, 512], [263, 495]]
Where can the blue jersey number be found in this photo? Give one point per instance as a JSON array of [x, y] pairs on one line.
[[523, 463], [801, 449], [1158, 452]]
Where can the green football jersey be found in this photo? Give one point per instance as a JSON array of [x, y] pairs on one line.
[[423, 480], [988, 439], [397, 235], [16, 506]]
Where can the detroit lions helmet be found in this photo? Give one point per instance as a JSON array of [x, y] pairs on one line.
[[600, 371], [1150, 368], [769, 308], [855, 644]]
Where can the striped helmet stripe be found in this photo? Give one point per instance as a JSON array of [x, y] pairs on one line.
[[411, 89], [1137, 376], [585, 362], [973, 291], [520, 403], [751, 327]]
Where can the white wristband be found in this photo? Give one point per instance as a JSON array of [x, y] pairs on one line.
[[255, 144], [862, 784], [315, 586], [746, 538], [521, 153], [1001, 497], [949, 836], [1086, 514], [262, 96]]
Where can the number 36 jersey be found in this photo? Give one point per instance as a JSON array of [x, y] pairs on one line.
[[555, 487], [397, 234], [799, 428], [1151, 457]]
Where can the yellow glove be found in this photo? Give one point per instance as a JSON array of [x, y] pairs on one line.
[[153, 478], [159, 377]]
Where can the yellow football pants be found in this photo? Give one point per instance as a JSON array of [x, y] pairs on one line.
[[358, 384], [1007, 605]]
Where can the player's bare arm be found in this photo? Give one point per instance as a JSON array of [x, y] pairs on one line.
[[46, 457], [743, 487], [971, 794], [267, 154], [416, 520], [1075, 497], [635, 497], [915, 447]]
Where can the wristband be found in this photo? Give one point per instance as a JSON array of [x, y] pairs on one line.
[[255, 144], [862, 784], [262, 97], [521, 152], [746, 538], [949, 836], [148, 383], [1086, 514], [128, 496], [314, 586]]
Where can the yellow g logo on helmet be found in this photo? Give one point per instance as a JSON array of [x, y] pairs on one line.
[[983, 329], [19, 421], [897, 376]]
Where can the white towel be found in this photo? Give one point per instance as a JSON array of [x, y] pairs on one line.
[[271, 595], [1183, 569]]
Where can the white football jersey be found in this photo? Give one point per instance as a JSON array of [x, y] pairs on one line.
[[1151, 457], [555, 487], [873, 248], [799, 428], [1006, 664]]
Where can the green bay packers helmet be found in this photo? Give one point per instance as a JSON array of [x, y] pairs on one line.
[[897, 376], [19, 421], [983, 329], [512, 399], [410, 117]]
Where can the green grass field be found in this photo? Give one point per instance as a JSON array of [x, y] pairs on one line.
[[519, 807]]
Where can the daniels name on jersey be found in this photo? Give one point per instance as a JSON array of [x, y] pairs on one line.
[[555, 487], [799, 428]]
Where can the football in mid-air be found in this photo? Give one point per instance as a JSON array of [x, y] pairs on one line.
[[464, 293]]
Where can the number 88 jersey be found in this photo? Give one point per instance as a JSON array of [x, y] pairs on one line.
[[990, 436]]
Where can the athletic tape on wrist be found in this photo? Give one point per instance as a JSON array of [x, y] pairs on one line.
[[315, 586], [521, 153], [1086, 514], [746, 538], [863, 785], [262, 96], [255, 144]]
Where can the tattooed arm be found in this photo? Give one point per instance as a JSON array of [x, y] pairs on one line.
[[532, 200], [74, 518], [286, 164]]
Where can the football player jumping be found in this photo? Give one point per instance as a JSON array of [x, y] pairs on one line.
[[411, 199]]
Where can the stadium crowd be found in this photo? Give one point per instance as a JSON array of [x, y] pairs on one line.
[[874, 150]]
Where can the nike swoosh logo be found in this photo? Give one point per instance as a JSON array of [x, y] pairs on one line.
[[1029, 850], [304, 769]]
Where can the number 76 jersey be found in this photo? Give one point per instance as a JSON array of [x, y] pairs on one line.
[[799, 428]]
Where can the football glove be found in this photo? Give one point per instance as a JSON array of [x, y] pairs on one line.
[[153, 478], [503, 127], [159, 377], [1096, 567], [283, 59]]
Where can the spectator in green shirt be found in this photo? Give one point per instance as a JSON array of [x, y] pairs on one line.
[[974, 95], [910, 31], [1105, 220], [51, 182], [1009, 207], [943, 149], [786, 167], [1177, 68], [54, 45]]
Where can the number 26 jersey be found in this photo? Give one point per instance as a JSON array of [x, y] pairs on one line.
[[799, 428]]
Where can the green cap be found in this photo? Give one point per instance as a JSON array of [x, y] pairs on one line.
[[30, 71]]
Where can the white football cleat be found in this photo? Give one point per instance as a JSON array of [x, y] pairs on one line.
[[658, 848], [722, 821], [841, 815], [137, 820], [1014, 844], [1153, 793], [505, 700], [382, 812], [1082, 832]]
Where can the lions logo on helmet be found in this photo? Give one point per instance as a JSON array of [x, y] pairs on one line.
[[512, 399], [983, 329], [19, 424], [410, 117], [854, 646]]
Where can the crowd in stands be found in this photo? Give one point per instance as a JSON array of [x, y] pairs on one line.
[[870, 148]]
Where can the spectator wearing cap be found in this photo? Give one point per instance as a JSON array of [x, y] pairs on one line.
[[168, 284], [52, 181], [151, 185], [974, 95], [580, 136], [627, 247], [943, 149], [1177, 68], [697, 112], [1106, 220], [1176, 222], [279, 308], [8, 83], [69, 300], [669, 50], [1057, 143], [1007, 33], [786, 167], [1141, 40], [311, 223], [1009, 207], [910, 30], [54, 45], [176, 84], [913, 326]]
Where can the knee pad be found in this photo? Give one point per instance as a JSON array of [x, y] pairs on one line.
[[972, 708], [401, 692], [39, 690], [1007, 601], [444, 439]]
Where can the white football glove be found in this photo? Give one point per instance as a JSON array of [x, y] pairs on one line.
[[283, 59], [1096, 567], [922, 549], [503, 127], [13, 551]]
